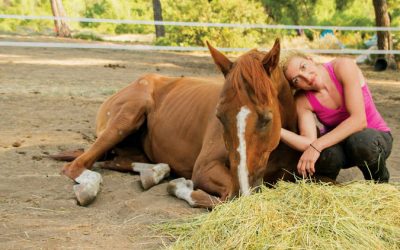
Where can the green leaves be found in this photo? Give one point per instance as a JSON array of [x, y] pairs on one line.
[[298, 12], [223, 11]]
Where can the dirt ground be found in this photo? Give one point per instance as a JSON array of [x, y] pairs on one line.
[[48, 103]]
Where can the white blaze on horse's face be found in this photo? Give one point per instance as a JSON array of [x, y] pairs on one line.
[[243, 172]]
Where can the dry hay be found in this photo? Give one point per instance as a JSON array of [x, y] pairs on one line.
[[359, 215]]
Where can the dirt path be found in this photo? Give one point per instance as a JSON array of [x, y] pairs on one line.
[[48, 102]]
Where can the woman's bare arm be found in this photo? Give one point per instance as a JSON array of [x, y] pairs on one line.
[[352, 79]]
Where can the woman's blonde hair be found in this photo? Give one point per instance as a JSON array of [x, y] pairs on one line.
[[287, 55]]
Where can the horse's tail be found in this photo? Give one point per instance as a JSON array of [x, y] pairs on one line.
[[68, 155]]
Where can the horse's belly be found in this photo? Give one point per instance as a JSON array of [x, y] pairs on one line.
[[164, 144]]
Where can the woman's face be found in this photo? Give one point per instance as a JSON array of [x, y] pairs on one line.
[[302, 73]]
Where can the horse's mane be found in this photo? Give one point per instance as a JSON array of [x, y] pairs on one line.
[[248, 69]]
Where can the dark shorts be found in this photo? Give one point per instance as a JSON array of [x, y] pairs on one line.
[[367, 149]]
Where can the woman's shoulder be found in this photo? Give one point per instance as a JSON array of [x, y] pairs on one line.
[[343, 64], [302, 100], [347, 72]]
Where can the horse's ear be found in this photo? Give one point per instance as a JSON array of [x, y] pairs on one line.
[[271, 60], [223, 63]]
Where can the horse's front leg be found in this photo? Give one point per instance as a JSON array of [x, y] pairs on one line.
[[211, 184], [212, 180]]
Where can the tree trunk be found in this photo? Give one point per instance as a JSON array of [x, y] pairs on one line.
[[157, 10], [55, 14], [382, 19], [61, 27]]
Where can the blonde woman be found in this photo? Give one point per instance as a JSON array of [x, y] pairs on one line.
[[354, 132]]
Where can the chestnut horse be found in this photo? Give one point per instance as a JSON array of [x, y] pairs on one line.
[[217, 136]]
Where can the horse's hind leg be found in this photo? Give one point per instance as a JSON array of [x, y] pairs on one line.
[[68, 155], [117, 129], [151, 174], [118, 117], [123, 157]]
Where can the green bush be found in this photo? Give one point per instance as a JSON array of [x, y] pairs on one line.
[[394, 6], [87, 36], [305, 12], [25, 7], [223, 11], [116, 9]]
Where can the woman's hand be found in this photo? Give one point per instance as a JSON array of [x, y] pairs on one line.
[[306, 164]]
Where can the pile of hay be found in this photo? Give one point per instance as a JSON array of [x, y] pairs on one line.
[[360, 215]]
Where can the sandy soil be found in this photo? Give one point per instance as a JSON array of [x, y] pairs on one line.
[[48, 103]]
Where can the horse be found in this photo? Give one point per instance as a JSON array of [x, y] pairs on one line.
[[221, 137]]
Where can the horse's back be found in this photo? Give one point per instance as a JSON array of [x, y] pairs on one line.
[[137, 93]]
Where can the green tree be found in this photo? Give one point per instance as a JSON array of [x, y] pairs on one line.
[[291, 11], [222, 11], [116, 9], [342, 5], [25, 7]]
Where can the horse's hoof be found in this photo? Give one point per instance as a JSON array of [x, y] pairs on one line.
[[147, 178], [86, 193], [152, 176], [88, 176], [182, 189], [161, 171], [179, 184], [88, 186], [140, 166]]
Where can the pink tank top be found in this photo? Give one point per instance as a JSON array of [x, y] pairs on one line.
[[330, 118]]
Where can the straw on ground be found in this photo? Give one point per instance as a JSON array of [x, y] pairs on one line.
[[359, 215]]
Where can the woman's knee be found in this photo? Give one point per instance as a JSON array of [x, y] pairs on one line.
[[367, 146], [330, 162]]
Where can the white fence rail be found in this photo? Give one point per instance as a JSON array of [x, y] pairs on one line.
[[190, 24], [176, 48], [199, 24]]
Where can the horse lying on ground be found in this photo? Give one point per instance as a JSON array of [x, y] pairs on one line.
[[217, 136]]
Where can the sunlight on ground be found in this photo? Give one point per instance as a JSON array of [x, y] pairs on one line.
[[20, 59], [389, 82], [9, 142], [5, 58]]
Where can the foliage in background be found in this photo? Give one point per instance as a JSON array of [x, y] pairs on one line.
[[116, 9], [394, 7], [304, 12], [291, 11], [223, 11], [25, 7], [325, 13]]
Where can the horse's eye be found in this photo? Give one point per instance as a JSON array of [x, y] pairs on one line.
[[264, 119]]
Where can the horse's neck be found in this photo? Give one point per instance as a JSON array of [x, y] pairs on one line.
[[286, 102]]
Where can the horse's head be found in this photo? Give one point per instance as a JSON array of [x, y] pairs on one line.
[[248, 109]]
